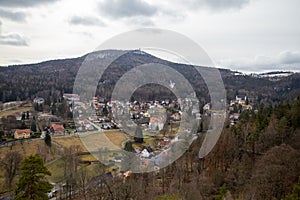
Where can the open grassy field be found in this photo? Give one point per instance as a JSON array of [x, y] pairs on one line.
[[116, 137], [68, 141], [57, 170], [88, 157], [112, 139], [25, 148], [148, 140], [15, 111]]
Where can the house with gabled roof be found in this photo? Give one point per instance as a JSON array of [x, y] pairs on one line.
[[241, 99], [145, 153], [57, 129], [156, 124], [22, 133]]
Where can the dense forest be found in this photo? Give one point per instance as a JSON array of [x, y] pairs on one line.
[[51, 79]]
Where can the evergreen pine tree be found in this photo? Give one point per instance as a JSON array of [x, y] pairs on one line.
[[32, 183]]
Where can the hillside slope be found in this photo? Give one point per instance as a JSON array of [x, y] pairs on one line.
[[52, 78]]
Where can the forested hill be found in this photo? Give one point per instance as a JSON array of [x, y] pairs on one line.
[[52, 78]]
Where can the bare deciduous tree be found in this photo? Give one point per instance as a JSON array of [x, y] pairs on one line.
[[11, 164]]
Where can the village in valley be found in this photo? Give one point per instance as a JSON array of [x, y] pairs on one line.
[[98, 143], [148, 131], [158, 121]]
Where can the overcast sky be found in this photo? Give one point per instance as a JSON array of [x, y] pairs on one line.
[[244, 35]]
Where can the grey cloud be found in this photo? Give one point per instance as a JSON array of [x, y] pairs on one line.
[[288, 57], [24, 3], [126, 8], [86, 21], [287, 61], [217, 4], [14, 16], [12, 39], [143, 21]]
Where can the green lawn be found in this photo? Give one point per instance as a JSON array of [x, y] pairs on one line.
[[15, 111]]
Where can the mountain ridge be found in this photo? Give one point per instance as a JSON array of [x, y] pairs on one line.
[[144, 53], [55, 77]]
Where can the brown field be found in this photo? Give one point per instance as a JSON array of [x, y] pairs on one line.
[[88, 157], [57, 170], [108, 139], [97, 140], [27, 148], [69, 141], [116, 137], [112, 139], [24, 148], [16, 111]]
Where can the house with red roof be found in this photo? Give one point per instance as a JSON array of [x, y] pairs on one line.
[[57, 129]]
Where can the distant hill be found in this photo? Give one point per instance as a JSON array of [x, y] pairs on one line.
[[51, 79]]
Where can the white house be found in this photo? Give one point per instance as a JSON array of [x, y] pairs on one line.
[[145, 153], [206, 106], [241, 99], [156, 124], [39, 100]]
